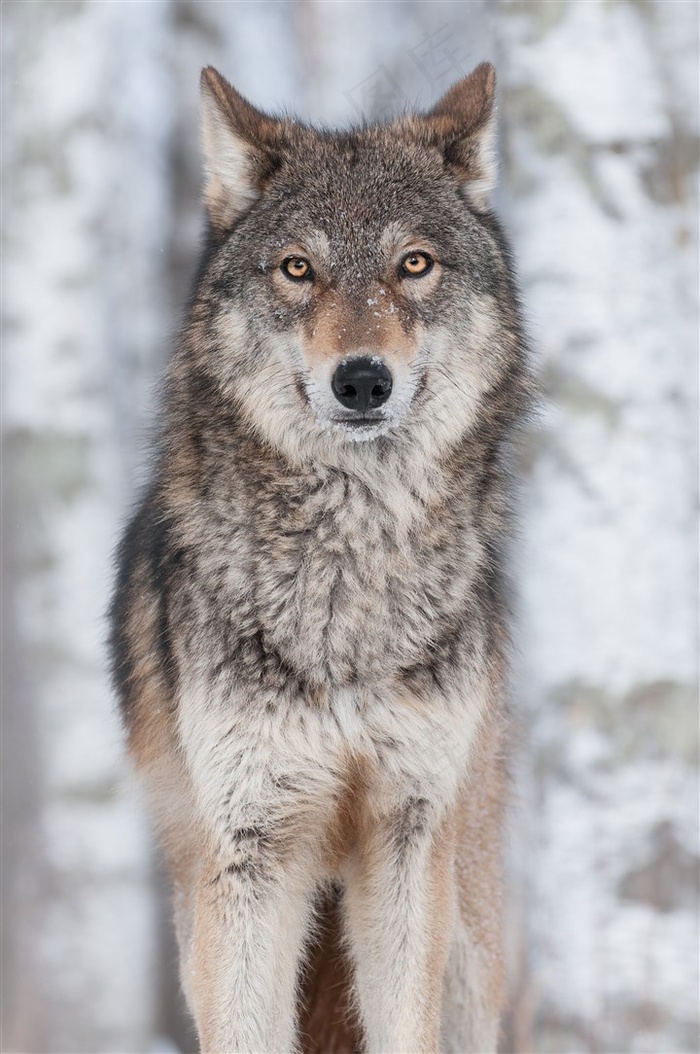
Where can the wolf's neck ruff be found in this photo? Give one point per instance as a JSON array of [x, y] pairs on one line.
[[308, 626], [325, 560]]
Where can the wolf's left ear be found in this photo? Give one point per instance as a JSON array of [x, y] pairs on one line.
[[239, 150], [464, 123]]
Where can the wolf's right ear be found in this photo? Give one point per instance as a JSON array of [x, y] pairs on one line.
[[239, 154]]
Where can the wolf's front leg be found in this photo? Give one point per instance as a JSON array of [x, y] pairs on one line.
[[251, 914], [400, 908]]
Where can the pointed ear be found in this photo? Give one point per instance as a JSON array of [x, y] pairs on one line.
[[239, 150], [464, 122]]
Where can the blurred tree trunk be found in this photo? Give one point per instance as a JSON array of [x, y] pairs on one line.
[[81, 260], [599, 112]]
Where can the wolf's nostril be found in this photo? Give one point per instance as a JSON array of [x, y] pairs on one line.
[[362, 384]]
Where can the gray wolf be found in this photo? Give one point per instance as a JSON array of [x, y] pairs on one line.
[[309, 625]]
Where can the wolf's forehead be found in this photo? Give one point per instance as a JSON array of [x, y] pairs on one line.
[[345, 226], [343, 212], [351, 187]]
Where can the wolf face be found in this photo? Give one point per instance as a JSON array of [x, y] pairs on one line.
[[355, 285]]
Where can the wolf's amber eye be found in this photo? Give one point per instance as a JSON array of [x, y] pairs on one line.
[[297, 268], [415, 265]]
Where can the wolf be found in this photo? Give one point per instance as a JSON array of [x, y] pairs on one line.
[[310, 621]]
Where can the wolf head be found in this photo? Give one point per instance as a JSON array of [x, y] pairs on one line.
[[355, 288]]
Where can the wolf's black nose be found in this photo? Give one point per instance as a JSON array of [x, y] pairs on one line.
[[362, 384]]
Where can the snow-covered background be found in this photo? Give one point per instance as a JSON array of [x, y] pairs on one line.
[[599, 147]]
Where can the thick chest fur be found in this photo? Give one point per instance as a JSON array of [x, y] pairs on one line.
[[311, 772], [313, 607], [346, 585]]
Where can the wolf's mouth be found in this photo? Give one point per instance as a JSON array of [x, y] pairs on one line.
[[357, 422], [360, 428]]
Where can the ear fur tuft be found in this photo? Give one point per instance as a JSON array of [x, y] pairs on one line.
[[464, 122], [238, 145]]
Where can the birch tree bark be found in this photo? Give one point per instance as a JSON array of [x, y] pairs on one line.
[[600, 133], [81, 267]]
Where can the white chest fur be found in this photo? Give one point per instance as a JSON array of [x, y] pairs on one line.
[[287, 768]]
